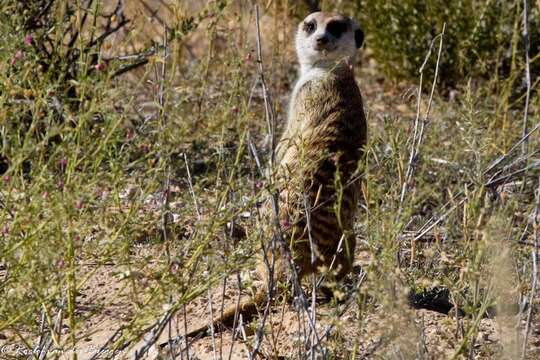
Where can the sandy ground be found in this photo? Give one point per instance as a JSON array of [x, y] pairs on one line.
[[381, 331]]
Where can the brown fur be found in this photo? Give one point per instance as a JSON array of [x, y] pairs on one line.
[[318, 156]]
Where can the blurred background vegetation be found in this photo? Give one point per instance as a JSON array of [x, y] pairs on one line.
[[483, 38]]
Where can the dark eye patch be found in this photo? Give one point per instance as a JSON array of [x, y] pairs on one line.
[[310, 27], [336, 28]]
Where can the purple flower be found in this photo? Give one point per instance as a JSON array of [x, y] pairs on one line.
[[28, 39], [285, 224], [63, 163]]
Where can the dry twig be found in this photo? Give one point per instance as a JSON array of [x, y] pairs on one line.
[[534, 281], [419, 127], [271, 132], [525, 149]]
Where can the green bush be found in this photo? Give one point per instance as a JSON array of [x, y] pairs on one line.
[[481, 37]]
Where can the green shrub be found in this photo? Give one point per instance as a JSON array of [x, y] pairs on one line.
[[481, 38]]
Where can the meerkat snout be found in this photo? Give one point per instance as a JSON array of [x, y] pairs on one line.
[[321, 41], [324, 39]]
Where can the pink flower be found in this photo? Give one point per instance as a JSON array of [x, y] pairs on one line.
[[60, 184], [79, 204], [100, 66], [18, 56], [130, 133], [28, 39], [174, 268], [144, 148], [285, 224], [7, 179], [63, 163]]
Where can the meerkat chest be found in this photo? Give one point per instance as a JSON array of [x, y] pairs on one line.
[[322, 100], [325, 115], [299, 104]]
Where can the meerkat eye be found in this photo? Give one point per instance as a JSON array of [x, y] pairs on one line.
[[310, 27], [336, 28]]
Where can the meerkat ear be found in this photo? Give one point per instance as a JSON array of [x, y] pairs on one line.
[[359, 37]]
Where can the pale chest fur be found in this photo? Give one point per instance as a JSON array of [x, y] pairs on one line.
[[325, 115], [296, 121]]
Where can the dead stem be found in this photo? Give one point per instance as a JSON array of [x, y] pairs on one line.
[[534, 280]]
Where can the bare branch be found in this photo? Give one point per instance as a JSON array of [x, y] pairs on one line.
[[525, 148], [156, 331], [505, 157], [534, 280], [419, 126]]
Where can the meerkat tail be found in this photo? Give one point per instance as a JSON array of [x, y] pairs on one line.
[[247, 308]]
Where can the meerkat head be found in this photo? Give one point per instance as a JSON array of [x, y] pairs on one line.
[[323, 40]]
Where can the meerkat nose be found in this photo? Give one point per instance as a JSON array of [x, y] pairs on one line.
[[322, 40]]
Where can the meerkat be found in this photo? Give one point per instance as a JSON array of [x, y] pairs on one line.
[[317, 159]]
